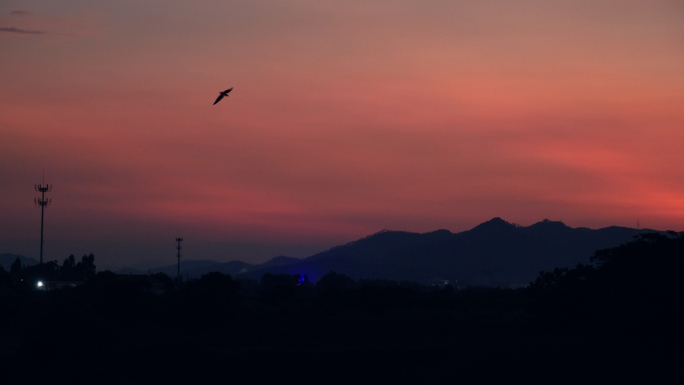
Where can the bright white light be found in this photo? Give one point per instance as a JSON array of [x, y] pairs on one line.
[[40, 283]]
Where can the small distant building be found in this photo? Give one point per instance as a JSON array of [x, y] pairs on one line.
[[55, 285], [441, 282], [515, 285]]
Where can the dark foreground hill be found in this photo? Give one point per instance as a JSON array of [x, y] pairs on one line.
[[495, 253]]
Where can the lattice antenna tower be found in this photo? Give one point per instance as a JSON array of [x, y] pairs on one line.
[[179, 240], [42, 202]]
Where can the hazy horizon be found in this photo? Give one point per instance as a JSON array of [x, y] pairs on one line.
[[148, 255], [345, 119]]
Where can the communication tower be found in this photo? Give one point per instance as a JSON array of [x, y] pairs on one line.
[[179, 240], [42, 202]]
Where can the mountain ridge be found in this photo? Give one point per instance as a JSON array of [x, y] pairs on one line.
[[493, 253]]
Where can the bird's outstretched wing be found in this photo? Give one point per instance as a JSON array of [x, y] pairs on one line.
[[222, 94]]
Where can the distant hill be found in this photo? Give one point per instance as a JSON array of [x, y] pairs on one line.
[[279, 261], [191, 269], [6, 260], [494, 253]]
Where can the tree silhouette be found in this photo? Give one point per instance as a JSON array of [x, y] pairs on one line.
[[15, 271], [69, 262], [68, 271], [279, 287], [214, 285], [333, 282], [4, 278], [633, 295], [86, 267]]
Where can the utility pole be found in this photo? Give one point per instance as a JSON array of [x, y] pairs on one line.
[[42, 202], [179, 240]]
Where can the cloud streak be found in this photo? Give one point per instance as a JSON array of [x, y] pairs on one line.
[[22, 31]]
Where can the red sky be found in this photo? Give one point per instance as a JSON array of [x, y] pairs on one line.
[[346, 118]]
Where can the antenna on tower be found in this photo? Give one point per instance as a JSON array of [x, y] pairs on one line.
[[42, 202]]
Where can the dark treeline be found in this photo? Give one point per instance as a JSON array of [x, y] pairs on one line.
[[615, 319], [22, 277]]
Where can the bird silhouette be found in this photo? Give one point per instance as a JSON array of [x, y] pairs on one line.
[[222, 94]]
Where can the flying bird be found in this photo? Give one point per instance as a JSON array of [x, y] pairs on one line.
[[222, 94]]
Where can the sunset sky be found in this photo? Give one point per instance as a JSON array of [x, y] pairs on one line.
[[346, 118]]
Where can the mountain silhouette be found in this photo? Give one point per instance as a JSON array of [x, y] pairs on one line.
[[494, 253], [191, 269], [7, 259]]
